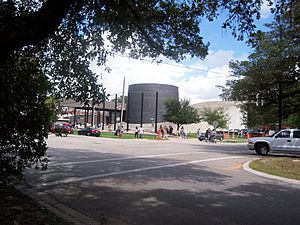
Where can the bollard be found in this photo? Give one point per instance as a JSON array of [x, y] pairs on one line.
[[225, 135]]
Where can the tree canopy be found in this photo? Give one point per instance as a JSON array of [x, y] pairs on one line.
[[214, 117], [69, 34], [120, 99], [25, 116], [180, 112], [270, 78]]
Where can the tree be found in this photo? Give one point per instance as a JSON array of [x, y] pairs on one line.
[[270, 77], [147, 28], [180, 112], [63, 37], [215, 117], [68, 34], [120, 98], [25, 116]]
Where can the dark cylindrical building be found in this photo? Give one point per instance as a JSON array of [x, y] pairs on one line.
[[141, 105]]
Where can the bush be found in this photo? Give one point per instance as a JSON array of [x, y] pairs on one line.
[[24, 116]]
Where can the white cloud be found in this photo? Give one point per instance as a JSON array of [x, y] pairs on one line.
[[219, 58], [200, 88], [196, 82], [265, 10]]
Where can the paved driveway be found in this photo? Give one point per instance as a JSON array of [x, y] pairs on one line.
[[176, 182]]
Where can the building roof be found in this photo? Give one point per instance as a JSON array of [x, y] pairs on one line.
[[215, 104], [80, 105]]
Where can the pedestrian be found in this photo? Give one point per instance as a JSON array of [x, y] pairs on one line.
[[159, 133], [182, 133], [213, 136], [136, 133], [121, 131], [207, 134], [170, 130], [165, 130], [118, 131], [198, 132], [141, 132], [162, 131]]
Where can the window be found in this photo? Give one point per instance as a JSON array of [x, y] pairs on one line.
[[296, 134], [283, 134]]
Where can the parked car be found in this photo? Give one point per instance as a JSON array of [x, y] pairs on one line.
[[218, 136], [89, 131], [62, 129], [287, 140], [201, 137], [67, 129], [79, 126]]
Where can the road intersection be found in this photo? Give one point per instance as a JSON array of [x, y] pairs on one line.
[[114, 181]]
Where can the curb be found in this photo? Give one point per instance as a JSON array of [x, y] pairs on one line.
[[56, 207], [265, 175]]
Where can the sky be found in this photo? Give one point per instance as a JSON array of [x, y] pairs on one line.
[[196, 79]]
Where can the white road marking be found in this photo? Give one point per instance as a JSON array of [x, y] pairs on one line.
[[122, 158], [77, 179]]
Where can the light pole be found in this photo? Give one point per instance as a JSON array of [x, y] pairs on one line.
[[228, 122], [121, 119]]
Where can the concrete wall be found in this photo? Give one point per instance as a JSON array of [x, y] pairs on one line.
[[231, 108]]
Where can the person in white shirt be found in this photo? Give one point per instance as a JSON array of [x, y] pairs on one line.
[[141, 132]]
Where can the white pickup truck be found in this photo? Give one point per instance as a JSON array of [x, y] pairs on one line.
[[287, 140]]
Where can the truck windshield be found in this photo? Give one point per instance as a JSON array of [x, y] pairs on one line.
[[274, 133]]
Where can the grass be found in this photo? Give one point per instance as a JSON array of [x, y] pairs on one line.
[[127, 136], [106, 134], [145, 136], [17, 208], [288, 167]]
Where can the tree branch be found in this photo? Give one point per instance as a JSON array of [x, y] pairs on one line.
[[30, 29]]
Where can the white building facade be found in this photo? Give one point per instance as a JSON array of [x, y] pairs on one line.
[[231, 109]]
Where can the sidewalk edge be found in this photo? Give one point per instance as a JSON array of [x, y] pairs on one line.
[[265, 175], [56, 207]]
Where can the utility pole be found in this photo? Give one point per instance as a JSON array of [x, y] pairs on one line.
[[122, 106], [115, 119], [280, 95], [103, 112]]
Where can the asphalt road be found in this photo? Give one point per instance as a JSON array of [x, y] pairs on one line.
[[175, 182]]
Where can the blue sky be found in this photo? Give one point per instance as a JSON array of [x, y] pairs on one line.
[[195, 78]]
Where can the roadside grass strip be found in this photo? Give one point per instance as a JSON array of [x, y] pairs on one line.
[[78, 179], [288, 167]]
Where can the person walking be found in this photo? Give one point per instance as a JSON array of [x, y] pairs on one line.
[[182, 133], [136, 133], [165, 131], [121, 132], [207, 134], [213, 136], [159, 133], [141, 132], [198, 132]]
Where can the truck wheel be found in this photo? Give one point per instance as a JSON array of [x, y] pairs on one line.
[[262, 149]]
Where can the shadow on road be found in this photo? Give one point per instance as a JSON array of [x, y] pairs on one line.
[[188, 194]]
